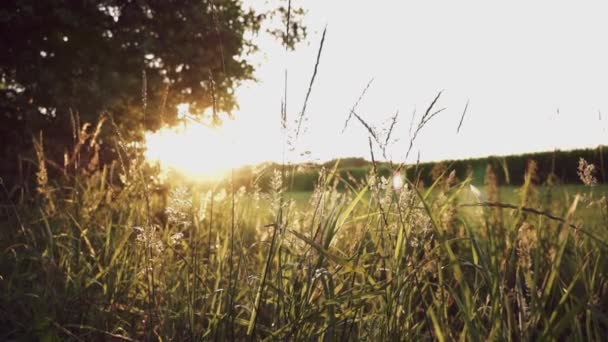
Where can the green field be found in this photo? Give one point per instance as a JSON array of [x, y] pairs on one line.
[[97, 260], [510, 194]]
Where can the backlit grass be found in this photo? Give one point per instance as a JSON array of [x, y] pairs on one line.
[[94, 259]]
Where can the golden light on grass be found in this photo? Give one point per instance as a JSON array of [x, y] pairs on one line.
[[200, 151]]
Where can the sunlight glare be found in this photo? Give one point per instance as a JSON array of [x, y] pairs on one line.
[[397, 181], [201, 152]]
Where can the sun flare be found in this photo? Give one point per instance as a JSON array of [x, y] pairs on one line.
[[202, 152]]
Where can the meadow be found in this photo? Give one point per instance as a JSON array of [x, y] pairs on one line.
[[107, 256], [97, 244]]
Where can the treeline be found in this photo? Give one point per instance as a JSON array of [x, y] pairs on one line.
[[558, 167], [555, 166]]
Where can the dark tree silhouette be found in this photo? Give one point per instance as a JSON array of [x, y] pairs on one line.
[[135, 59]]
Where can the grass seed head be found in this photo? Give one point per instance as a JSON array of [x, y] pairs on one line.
[[585, 172]]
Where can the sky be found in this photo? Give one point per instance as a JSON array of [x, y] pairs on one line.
[[535, 74]]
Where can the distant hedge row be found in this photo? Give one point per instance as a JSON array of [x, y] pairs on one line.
[[511, 169], [508, 169]]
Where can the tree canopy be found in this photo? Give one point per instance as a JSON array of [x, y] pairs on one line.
[[135, 59]]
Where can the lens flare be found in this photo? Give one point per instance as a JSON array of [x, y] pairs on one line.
[[397, 181]]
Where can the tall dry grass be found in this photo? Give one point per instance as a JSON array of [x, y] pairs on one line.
[[100, 255], [105, 253]]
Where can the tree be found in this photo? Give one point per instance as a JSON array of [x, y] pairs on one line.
[[133, 59]]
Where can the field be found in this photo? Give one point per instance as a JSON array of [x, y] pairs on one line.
[[135, 203], [509, 194], [92, 258]]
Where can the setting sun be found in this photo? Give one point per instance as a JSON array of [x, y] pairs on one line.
[[200, 151]]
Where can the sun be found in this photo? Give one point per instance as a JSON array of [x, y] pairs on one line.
[[193, 150], [202, 152]]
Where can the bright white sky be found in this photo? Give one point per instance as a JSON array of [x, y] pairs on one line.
[[517, 62]]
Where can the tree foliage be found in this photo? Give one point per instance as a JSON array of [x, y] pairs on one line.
[[133, 59]]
